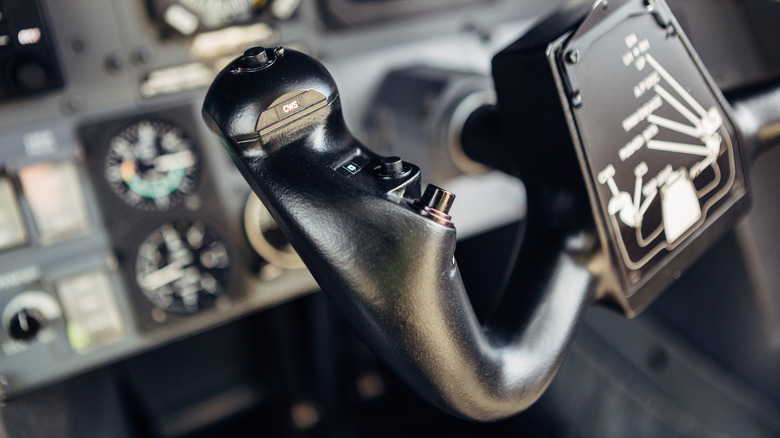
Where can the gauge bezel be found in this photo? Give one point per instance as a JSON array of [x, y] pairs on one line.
[[186, 186], [155, 238]]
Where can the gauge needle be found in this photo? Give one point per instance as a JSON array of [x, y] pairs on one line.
[[177, 160], [162, 276], [22, 318], [128, 170], [146, 141]]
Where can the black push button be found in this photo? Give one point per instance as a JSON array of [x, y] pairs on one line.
[[31, 75], [288, 108]]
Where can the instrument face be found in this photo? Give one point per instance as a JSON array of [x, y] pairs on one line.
[[187, 17], [656, 140], [151, 165], [182, 267]]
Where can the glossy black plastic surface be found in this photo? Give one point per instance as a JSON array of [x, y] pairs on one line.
[[757, 114], [387, 261]]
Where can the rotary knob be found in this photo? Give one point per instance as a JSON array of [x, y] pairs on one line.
[[28, 313], [25, 324]]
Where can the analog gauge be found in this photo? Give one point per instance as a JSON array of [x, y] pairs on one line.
[[218, 13], [188, 17], [151, 165], [182, 267], [266, 238]]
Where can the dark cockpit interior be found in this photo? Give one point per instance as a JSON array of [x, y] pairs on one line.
[[194, 241]]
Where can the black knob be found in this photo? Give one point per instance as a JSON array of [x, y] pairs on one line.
[[25, 324], [256, 58], [392, 167], [31, 75]]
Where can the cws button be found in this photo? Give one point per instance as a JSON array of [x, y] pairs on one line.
[[288, 108]]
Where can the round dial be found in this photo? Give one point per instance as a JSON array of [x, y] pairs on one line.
[[182, 267], [151, 165]]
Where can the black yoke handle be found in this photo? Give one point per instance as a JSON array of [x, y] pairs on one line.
[[384, 253]]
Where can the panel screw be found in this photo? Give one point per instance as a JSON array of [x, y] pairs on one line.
[[114, 62], [143, 55], [78, 45], [576, 100], [72, 103], [573, 56]]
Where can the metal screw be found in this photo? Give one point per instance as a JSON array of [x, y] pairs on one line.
[[72, 104], [78, 45], [573, 56], [143, 55], [114, 62], [576, 100]]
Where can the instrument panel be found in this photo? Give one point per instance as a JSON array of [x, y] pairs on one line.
[[122, 224]]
